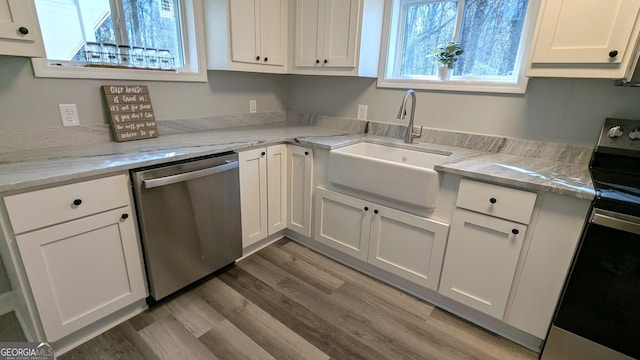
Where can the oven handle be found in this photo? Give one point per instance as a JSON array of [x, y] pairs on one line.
[[172, 179], [608, 219]]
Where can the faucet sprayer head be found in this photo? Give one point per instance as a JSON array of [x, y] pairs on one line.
[[402, 113]]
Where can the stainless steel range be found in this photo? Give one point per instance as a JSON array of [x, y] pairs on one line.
[[598, 316]]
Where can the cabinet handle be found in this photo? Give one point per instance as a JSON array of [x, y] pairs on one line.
[[375, 211], [613, 53], [515, 231], [266, 59], [317, 61], [326, 61], [77, 202], [366, 208], [257, 58], [124, 216], [23, 30], [263, 153], [493, 200], [306, 153]]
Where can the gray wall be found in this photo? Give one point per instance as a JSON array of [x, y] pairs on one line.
[[563, 110], [27, 102]]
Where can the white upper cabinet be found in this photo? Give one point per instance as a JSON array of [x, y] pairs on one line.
[[334, 37], [326, 33], [19, 29], [246, 35], [584, 38]]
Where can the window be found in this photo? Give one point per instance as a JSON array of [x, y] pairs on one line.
[[493, 34], [71, 28]]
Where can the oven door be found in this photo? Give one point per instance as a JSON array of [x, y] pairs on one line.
[[601, 301]]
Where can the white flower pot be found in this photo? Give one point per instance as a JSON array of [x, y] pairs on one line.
[[444, 73]]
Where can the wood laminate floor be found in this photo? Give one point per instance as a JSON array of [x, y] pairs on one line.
[[288, 302]]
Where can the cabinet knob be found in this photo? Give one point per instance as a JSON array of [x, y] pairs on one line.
[[263, 153], [124, 216], [306, 153], [326, 61], [77, 202], [375, 211], [23, 30], [515, 231], [317, 61], [493, 200], [366, 208], [257, 58], [613, 53], [266, 59]]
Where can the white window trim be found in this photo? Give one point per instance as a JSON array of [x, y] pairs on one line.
[[462, 84], [195, 57]]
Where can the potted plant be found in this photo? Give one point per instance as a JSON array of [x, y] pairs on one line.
[[447, 55]]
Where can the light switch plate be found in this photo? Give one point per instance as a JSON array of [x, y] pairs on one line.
[[252, 106]]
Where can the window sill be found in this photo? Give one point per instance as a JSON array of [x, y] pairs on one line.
[[41, 68], [455, 85]]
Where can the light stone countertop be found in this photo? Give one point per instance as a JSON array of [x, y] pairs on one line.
[[33, 168]]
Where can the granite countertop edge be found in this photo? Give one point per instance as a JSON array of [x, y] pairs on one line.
[[48, 168]]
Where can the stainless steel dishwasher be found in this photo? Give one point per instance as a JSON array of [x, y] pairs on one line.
[[189, 216]]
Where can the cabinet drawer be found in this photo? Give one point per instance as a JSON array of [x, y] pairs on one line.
[[495, 200], [54, 205]]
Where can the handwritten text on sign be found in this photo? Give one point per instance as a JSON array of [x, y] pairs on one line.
[[130, 112]]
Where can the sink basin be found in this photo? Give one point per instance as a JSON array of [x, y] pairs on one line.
[[392, 173]]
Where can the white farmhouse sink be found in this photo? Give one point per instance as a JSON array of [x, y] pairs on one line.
[[392, 173]]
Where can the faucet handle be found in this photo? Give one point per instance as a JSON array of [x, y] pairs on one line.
[[417, 135]]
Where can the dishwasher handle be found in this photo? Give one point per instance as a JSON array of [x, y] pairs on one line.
[[172, 179]]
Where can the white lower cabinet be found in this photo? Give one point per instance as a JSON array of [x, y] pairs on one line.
[[482, 254], [546, 263], [263, 189], [343, 223], [299, 184], [83, 270], [403, 244], [80, 250], [406, 245]]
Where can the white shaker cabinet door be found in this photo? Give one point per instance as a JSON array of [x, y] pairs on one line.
[[299, 182], [253, 195], [343, 223], [585, 31], [83, 270], [406, 245], [19, 29], [340, 33], [245, 31], [481, 258], [273, 32], [276, 188]]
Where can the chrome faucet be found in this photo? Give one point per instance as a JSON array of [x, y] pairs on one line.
[[410, 135]]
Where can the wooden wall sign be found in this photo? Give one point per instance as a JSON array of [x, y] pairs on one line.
[[130, 111]]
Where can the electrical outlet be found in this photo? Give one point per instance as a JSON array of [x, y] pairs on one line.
[[69, 115], [362, 112], [252, 106]]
